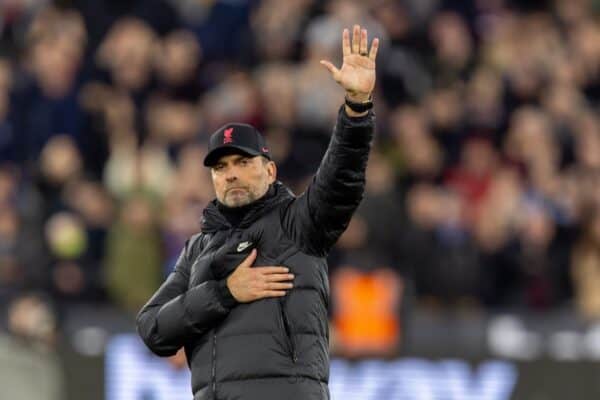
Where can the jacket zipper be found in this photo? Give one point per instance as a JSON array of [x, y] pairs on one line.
[[231, 232], [287, 331], [214, 365]]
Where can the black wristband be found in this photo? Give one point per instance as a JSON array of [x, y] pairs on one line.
[[359, 107]]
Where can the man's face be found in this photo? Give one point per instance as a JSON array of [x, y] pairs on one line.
[[240, 179]]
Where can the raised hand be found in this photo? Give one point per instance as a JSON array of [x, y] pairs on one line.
[[248, 284], [357, 74]]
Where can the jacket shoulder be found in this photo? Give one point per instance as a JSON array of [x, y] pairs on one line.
[[195, 244]]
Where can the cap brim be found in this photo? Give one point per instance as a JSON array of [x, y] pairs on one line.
[[214, 156]]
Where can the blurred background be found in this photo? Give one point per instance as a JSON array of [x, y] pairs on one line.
[[471, 269]]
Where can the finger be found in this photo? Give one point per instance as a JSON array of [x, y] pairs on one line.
[[271, 293], [272, 270], [279, 286], [334, 71], [355, 39], [363, 42], [248, 261], [279, 277], [346, 42], [374, 47]]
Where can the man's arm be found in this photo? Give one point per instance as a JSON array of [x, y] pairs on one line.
[[318, 217], [174, 313]]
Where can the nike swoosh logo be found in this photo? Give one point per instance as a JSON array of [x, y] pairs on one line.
[[243, 246]]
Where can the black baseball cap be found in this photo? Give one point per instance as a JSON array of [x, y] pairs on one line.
[[235, 138]]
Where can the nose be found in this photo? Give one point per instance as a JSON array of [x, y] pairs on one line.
[[231, 176]]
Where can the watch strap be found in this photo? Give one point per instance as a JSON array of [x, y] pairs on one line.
[[359, 107]]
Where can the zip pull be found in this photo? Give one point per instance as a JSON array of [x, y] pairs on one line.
[[214, 366]]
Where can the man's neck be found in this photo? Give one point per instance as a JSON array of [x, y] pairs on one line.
[[235, 215]]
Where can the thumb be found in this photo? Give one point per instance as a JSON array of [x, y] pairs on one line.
[[248, 261], [334, 71]]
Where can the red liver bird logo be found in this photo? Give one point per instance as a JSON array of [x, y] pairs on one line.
[[227, 136]]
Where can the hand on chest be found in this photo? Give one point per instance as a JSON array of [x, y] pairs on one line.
[[226, 250]]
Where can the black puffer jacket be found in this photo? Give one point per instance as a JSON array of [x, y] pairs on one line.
[[274, 348]]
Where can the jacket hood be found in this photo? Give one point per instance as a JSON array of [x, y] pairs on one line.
[[213, 220]]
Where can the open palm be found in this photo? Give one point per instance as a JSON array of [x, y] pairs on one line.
[[357, 74]]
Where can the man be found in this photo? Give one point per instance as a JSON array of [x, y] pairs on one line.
[[249, 294], [28, 351]]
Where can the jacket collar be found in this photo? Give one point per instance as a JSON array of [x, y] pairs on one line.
[[213, 220]]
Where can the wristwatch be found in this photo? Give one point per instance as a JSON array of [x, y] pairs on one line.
[[359, 107]]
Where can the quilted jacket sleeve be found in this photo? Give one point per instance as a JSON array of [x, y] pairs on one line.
[[174, 313], [316, 219]]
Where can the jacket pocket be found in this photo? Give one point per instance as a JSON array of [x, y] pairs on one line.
[[287, 330], [286, 325]]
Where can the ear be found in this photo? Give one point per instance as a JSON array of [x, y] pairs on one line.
[[271, 171]]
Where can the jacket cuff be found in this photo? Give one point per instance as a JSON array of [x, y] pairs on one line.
[[355, 130], [225, 295]]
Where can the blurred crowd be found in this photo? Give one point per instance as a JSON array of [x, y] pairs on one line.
[[483, 189]]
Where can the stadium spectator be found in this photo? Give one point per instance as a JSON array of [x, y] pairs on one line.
[[30, 367]]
